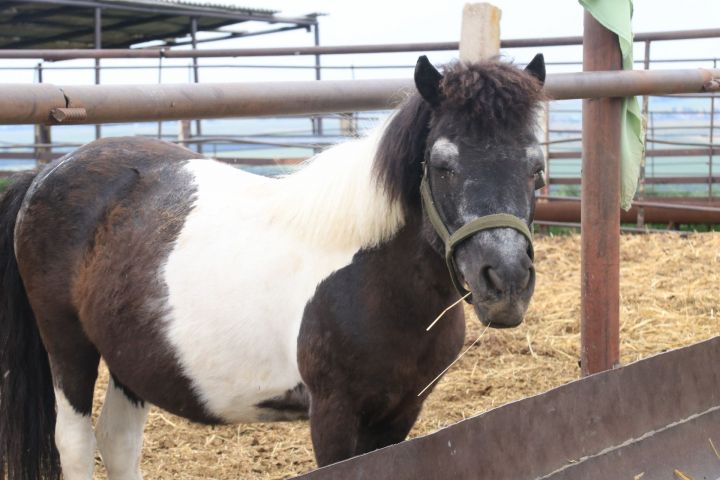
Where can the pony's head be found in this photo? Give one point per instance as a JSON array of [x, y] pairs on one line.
[[477, 158], [482, 159]]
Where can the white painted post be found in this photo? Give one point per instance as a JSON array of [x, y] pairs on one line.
[[480, 32]]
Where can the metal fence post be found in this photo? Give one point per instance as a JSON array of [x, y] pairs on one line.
[[43, 137], [711, 142], [600, 211], [317, 121], [98, 45], [645, 107], [196, 76]]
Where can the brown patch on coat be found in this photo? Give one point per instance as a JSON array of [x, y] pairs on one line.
[[94, 236], [363, 350]]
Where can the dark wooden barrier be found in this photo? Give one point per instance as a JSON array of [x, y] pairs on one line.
[[646, 419]]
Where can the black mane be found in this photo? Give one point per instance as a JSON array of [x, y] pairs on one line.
[[400, 153], [491, 96]]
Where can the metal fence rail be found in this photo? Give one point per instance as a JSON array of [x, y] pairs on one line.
[[94, 104], [67, 54]]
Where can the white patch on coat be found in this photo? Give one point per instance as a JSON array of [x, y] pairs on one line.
[[445, 148], [249, 258], [75, 440], [335, 200], [119, 434]]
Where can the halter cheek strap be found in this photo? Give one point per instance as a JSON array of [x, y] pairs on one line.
[[487, 222]]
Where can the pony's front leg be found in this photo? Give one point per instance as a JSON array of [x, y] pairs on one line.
[[334, 428], [120, 433]]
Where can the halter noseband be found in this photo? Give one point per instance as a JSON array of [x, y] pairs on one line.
[[487, 222]]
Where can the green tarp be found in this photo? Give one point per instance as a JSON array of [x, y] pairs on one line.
[[616, 15]]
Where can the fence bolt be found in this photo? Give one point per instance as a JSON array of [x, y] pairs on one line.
[[68, 115]]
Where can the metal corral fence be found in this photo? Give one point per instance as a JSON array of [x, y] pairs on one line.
[[559, 141], [682, 409], [96, 104]]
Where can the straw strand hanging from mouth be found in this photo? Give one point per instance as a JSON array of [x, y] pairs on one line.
[[456, 360], [446, 310]]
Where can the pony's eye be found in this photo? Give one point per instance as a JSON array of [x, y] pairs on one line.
[[443, 168], [539, 179]]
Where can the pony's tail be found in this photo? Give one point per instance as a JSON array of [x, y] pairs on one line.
[[27, 400]]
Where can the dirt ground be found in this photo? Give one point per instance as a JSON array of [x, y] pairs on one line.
[[670, 288]]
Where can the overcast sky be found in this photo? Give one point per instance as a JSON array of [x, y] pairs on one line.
[[387, 21]]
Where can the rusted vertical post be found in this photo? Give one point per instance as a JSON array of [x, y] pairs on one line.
[[600, 214], [651, 127], [545, 129], [318, 76], [712, 139], [196, 75], [645, 106], [98, 45], [43, 138]]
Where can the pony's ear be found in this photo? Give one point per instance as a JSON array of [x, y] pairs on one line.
[[536, 67], [427, 80]]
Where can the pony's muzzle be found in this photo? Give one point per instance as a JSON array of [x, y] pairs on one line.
[[498, 268]]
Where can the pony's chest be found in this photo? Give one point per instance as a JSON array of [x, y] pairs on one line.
[[236, 306]]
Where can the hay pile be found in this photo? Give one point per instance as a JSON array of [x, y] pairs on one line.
[[670, 289]]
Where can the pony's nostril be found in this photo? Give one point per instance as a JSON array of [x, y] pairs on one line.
[[485, 274], [494, 281], [528, 276], [502, 281]]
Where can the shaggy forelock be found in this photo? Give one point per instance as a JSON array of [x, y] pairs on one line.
[[491, 97], [492, 94]]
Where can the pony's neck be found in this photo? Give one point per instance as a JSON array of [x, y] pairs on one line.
[[336, 200]]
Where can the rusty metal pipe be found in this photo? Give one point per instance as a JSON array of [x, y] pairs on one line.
[[650, 180], [67, 54], [598, 84], [660, 152], [28, 104], [31, 104], [600, 219], [570, 211], [700, 204]]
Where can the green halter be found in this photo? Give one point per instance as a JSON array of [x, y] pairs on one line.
[[487, 222]]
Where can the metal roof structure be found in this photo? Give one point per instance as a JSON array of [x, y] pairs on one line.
[[124, 23]]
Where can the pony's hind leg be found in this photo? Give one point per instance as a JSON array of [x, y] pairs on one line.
[[120, 432], [74, 440], [74, 375]]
